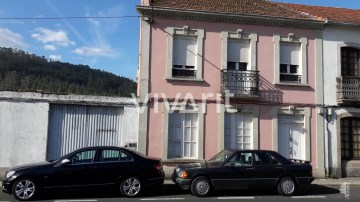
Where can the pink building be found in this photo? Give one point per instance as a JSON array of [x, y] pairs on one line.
[[229, 74]]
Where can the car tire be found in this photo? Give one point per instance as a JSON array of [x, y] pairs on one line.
[[286, 186], [130, 187], [200, 187], [25, 189]]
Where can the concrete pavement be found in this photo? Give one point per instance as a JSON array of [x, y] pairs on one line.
[[339, 181]]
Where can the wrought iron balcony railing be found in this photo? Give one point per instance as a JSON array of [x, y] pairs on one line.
[[240, 83], [348, 89], [288, 78], [184, 73]]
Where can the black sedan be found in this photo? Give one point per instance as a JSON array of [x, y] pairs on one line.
[[87, 167], [232, 169]]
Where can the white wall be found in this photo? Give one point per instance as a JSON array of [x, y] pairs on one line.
[[130, 131], [23, 132]]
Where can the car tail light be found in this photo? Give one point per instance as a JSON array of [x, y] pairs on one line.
[[158, 166]]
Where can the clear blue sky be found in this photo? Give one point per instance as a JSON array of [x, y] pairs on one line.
[[108, 44]]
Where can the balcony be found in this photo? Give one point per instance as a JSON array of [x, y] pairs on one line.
[[348, 89], [243, 84]]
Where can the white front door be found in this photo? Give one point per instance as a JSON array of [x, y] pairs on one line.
[[296, 133], [291, 138]]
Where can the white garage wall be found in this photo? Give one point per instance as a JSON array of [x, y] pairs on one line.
[[23, 132], [130, 128]]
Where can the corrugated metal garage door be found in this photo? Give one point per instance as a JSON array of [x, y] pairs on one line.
[[75, 126]]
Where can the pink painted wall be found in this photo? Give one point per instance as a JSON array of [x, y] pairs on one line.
[[211, 71]]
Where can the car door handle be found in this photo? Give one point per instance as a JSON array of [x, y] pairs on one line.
[[278, 167], [250, 168]]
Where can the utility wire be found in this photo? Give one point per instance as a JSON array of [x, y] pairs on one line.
[[65, 18]]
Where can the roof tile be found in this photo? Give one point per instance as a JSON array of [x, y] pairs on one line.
[[245, 7], [336, 15]]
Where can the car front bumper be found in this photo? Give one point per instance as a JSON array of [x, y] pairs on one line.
[[6, 186], [183, 183]]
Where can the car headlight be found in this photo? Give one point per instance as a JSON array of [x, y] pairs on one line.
[[182, 174], [9, 174]]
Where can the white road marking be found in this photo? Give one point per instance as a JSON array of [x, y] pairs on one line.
[[302, 197], [235, 197], [70, 200], [161, 199]]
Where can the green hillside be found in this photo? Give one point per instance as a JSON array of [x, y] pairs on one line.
[[21, 71]]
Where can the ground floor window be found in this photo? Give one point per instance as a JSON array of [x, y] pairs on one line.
[[238, 131], [350, 138], [183, 135]]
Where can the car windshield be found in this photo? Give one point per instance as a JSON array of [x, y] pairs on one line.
[[221, 157]]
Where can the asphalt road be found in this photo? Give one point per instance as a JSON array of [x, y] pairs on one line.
[[170, 192]]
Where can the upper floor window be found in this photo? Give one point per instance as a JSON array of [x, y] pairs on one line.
[[238, 55], [184, 57], [238, 50], [185, 48], [350, 61], [290, 62], [290, 59]]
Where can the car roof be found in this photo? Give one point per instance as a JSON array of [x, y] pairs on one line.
[[102, 147], [249, 150]]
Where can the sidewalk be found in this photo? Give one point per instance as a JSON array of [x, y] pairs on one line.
[[331, 181]]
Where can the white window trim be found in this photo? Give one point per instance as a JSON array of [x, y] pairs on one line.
[[303, 60], [291, 110], [185, 31], [253, 109], [239, 35], [200, 109]]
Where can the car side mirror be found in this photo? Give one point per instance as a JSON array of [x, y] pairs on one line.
[[65, 162]]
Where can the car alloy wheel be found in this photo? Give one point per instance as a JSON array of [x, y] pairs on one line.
[[200, 186], [286, 186], [130, 187], [24, 189]]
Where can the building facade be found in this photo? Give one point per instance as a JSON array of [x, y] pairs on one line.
[[228, 76], [341, 46]]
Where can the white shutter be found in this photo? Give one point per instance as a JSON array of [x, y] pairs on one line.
[[238, 51], [184, 51], [290, 53]]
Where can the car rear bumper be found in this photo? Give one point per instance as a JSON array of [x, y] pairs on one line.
[[156, 181], [305, 180]]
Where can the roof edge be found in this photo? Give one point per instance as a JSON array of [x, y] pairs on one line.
[[230, 17]]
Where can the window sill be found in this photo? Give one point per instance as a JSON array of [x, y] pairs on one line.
[[292, 84], [183, 160], [183, 79]]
